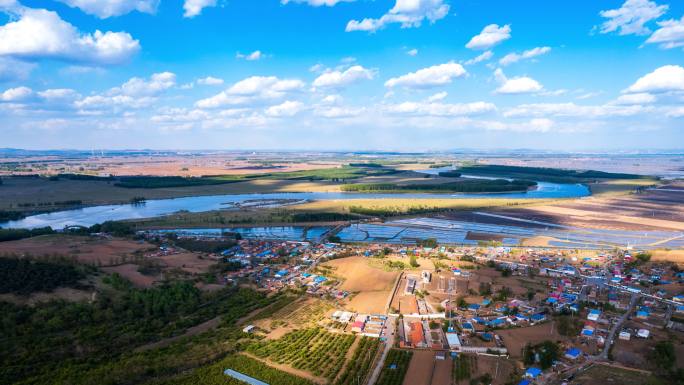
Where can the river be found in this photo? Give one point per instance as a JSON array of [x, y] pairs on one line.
[[88, 216]]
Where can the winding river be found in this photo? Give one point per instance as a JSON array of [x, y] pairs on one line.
[[88, 216]]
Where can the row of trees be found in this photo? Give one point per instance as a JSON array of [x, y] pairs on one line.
[[466, 186]]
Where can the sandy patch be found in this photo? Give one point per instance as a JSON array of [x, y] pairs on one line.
[[500, 369], [515, 339], [89, 250], [130, 272], [442, 372], [62, 293], [189, 262], [420, 369], [374, 286], [676, 256]]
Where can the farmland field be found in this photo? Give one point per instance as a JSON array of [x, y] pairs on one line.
[[359, 365], [372, 284], [213, 374], [314, 350], [395, 367]]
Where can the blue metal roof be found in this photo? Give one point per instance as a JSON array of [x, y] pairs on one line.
[[533, 372], [573, 352]]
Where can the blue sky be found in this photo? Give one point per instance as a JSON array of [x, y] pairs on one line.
[[328, 74]]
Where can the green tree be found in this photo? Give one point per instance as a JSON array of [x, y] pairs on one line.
[[413, 261], [663, 355]]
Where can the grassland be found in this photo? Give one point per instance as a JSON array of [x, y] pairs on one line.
[[402, 206], [606, 374]]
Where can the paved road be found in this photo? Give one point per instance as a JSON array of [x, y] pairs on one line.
[[391, 335]]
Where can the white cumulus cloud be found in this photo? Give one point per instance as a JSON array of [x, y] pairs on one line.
[[210, 81], [669, 35], [516, 85], [108, 8], [528, 54], [194, 7], [39, 33], [484, 56], [434, 76], [16, 94], [338, 78], [157, 83], [490, 36], [256, 55], [437, 97], [440, 109], [287, 108], [663, 79], [572, 110], [640, 98], [631, 17], [254, 89], [408, 13], [12, 69], [316, 3]]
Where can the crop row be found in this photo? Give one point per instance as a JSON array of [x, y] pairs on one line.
[[396, 365], [313, 350], [359, 365], [213, 374]]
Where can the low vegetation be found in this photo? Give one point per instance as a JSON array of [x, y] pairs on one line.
[[463, 364]]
